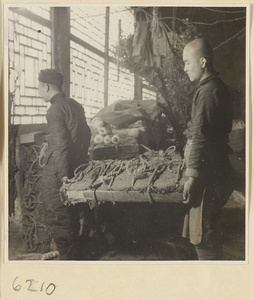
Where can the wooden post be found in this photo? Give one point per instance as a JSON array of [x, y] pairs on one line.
[[138, 87], [61, 44], [138, 84], [106, 57], [118, 48]]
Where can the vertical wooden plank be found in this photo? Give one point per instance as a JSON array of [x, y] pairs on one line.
[[138, 84], [138, 87], [106, 57], [61, 44], [118, 48]]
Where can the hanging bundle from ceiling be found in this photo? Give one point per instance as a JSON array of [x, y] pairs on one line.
[[151, 41], [142, 47]]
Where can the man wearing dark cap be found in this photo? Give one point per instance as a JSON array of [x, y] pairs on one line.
[[206, 154], [68, 143]]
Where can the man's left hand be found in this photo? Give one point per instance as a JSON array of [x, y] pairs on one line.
[[189, 187]]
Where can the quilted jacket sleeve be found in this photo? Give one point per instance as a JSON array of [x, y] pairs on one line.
[[203, 123], [211, 124]]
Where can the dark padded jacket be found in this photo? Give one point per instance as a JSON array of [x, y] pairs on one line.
[[69, 135], [210, 125], [208, 130]]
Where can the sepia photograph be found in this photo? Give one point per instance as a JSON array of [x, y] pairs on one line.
[[126, 133]]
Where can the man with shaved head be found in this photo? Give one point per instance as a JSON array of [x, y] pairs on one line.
[[210, 180]]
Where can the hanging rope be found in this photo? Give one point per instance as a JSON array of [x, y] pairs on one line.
[[42, 154], [186, 21], [223, 43], [30, 230], [218, 21], [100, 15], [225, 11]]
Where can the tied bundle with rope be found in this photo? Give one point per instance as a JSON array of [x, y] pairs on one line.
[[33, 175], [153, 172], [34, 232]]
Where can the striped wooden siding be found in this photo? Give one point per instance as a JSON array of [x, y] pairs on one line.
[[87, 75], [87, 68], [29, 52], [88, 23], [121, 84]]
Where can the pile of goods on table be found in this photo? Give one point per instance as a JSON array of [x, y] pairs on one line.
[[122, 166], [120, 128], [108, 141]]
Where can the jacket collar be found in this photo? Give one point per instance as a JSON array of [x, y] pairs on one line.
[[214, 75], [56, 96]]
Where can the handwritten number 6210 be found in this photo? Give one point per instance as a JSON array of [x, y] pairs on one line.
[[32, 286]]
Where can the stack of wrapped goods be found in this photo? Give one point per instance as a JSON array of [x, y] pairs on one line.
[[111, 142], [119, 130]]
